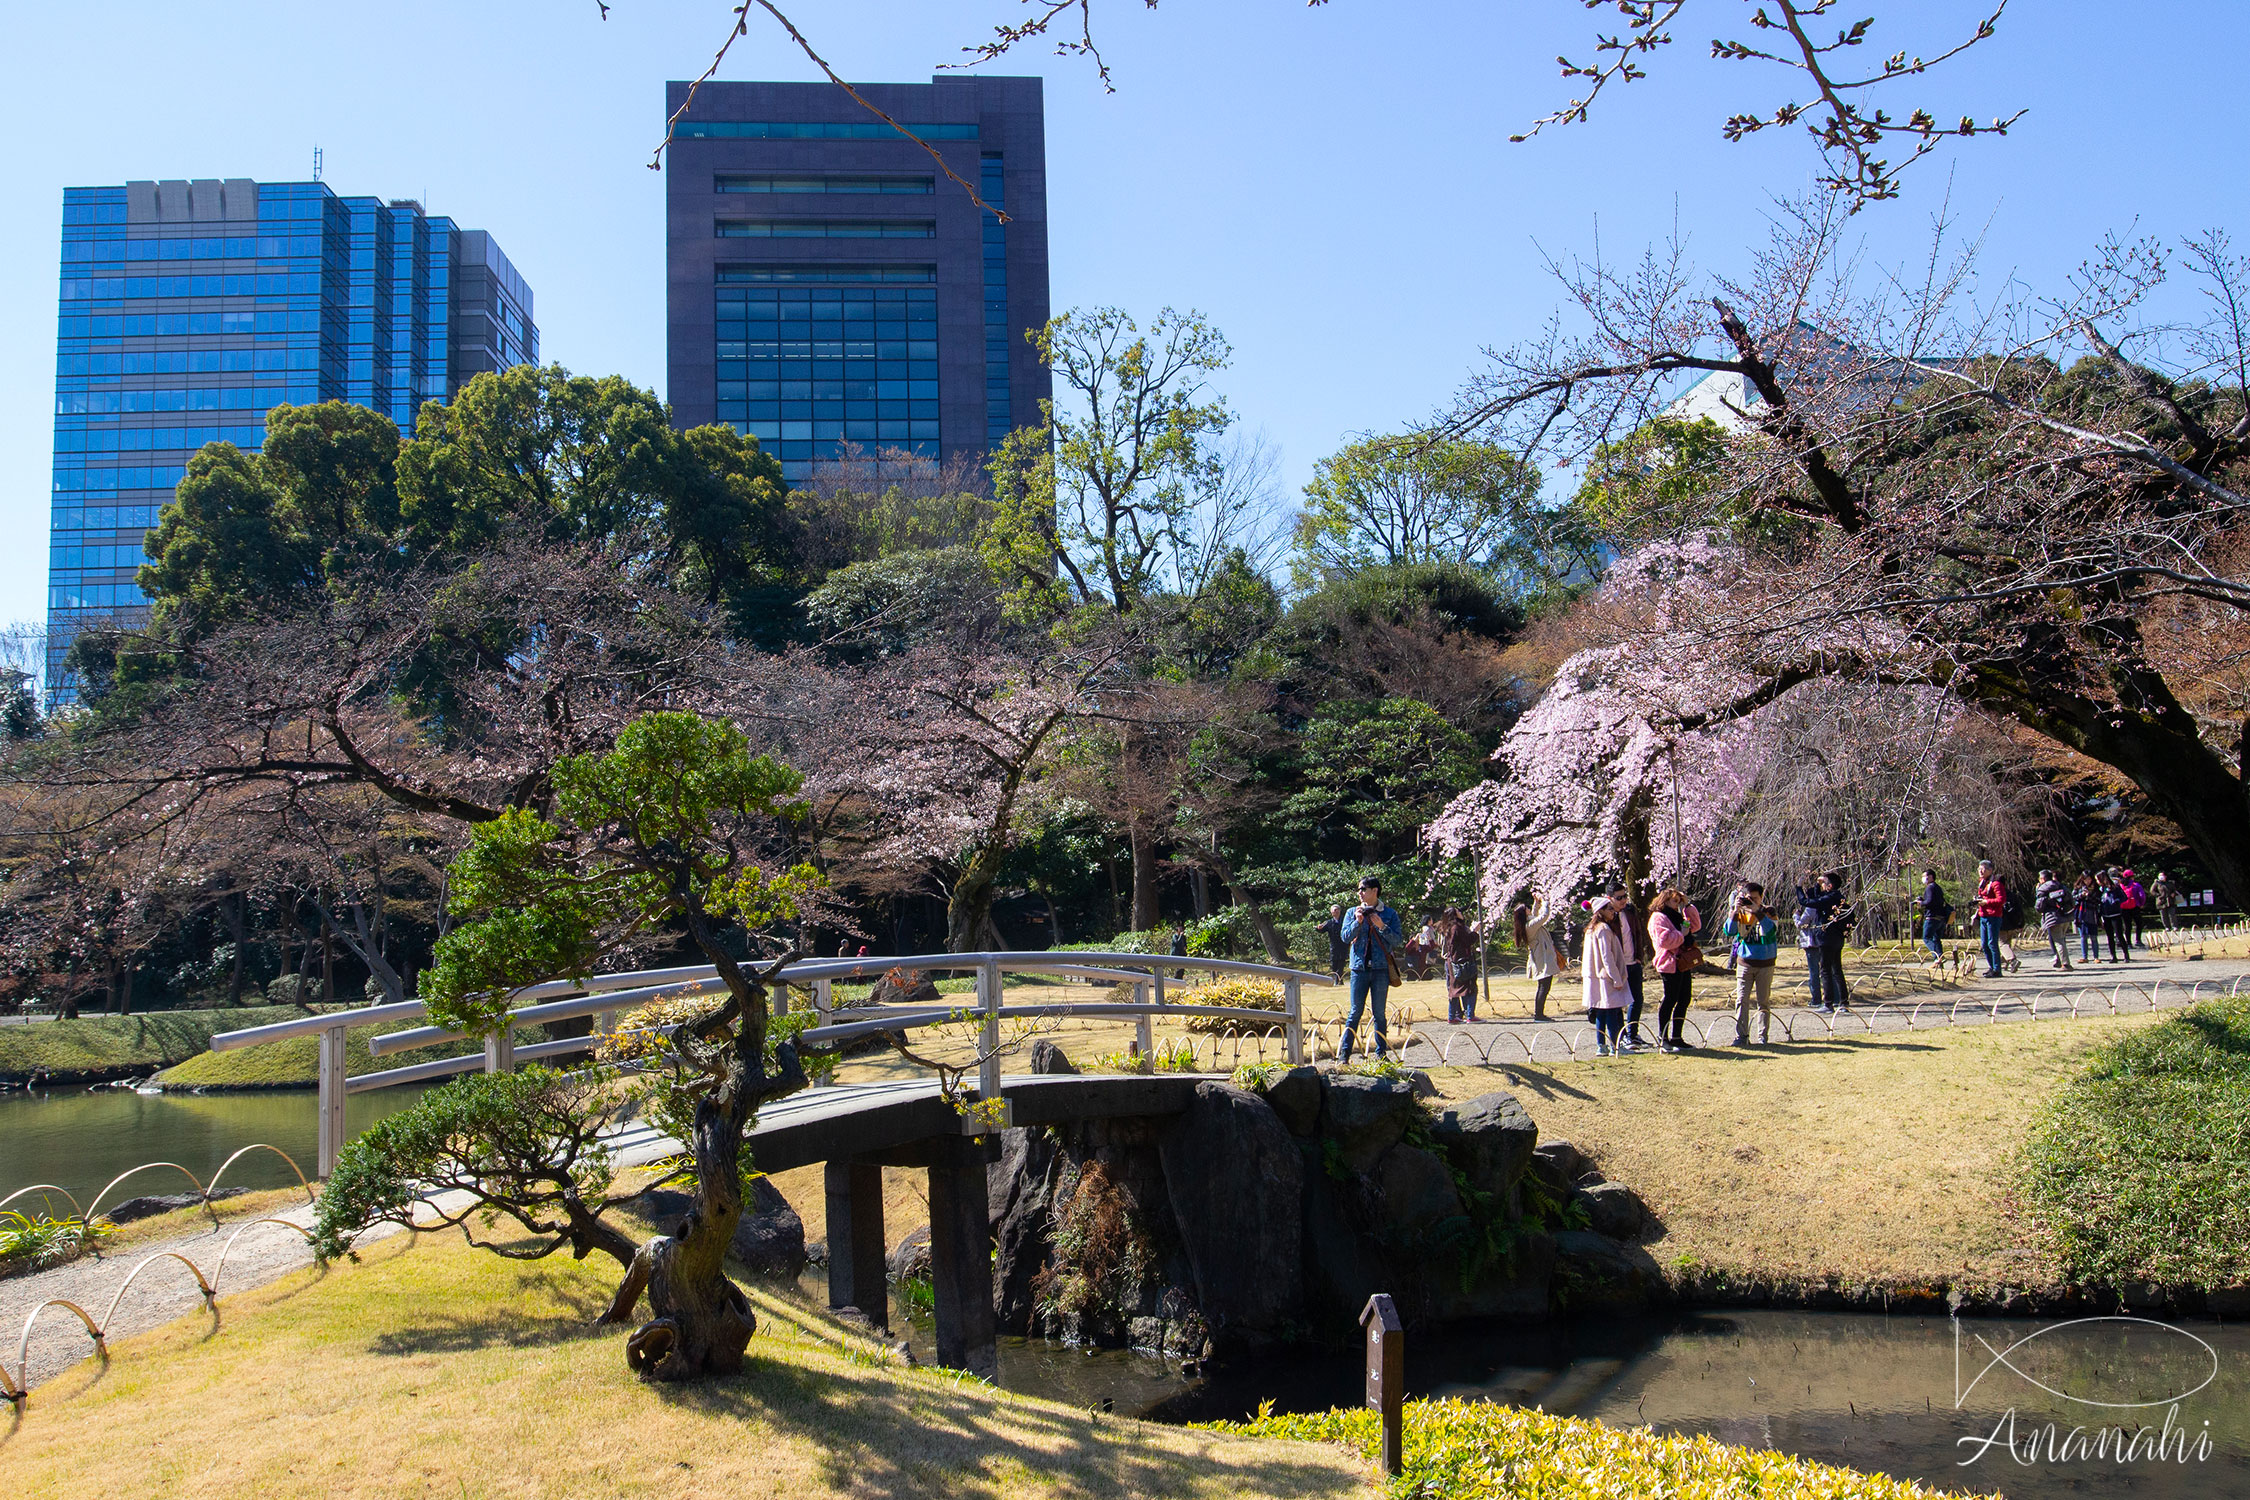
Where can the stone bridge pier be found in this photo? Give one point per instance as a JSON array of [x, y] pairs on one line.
[[856, 1132]]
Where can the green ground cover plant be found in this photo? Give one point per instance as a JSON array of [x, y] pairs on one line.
[[33, 1242], [295, 1063], [1479, 1450], [155, 1039], [2140, 1165]]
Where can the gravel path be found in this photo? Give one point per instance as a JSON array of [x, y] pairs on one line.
[[234, 1257], [1909, 999]]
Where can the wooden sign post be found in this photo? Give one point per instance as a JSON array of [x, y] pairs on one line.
[[1386, 1373]]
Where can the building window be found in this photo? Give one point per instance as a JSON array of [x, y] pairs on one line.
[[809, 369], [766, 182], [999, 405], [813, 130], [830, 273], [827, 229]]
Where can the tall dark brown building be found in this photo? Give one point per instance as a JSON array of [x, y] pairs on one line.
[[830, 286]]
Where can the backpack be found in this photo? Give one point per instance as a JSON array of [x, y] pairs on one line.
[[2011, 912]]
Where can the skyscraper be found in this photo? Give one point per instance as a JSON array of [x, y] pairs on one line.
[[830, 286], [189, 309]]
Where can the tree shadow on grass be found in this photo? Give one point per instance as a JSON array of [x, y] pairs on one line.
[[1541, 1080], [505, 1325], [907, 1434]]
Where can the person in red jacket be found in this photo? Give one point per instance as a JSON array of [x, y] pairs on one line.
[[1992, 903]]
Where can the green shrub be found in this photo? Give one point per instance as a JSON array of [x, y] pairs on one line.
[[2140, 1166], [32, 1243], [1480, 1450], [525, 1146]]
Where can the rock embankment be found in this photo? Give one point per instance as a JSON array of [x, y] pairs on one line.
[[1267, 1215]]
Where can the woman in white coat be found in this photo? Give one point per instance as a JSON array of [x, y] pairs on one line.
[[1607, 990], [1537, 944]]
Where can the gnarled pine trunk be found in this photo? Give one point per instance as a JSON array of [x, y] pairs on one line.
[[700, 1322]]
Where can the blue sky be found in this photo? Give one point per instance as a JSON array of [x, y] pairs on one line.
[[1334, 187]]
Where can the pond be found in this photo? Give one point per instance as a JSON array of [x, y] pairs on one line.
[[1872, 1392], [80, 1138]]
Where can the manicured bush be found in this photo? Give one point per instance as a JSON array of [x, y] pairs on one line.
[[2140, 1167], [1479, 1450]]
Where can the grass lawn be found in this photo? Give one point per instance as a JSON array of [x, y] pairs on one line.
[[296, 1062], [433, 1369], [153, 1040], [1883, 1160], [2142, 1163]]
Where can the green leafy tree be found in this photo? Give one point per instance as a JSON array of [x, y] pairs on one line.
[[1664, 477], [1412, 498], [663, 831], [1088, 506], [526, 1146], [1379, 771]]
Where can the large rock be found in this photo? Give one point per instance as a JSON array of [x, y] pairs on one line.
[[903, 987], [1491, 1139], [1365, 1117], [769, 1240], [1417, 1193], [1574, 1166], [1019, 1198], [1235, 1181], [1520, 1285], [1046, 1057], [910, 1257], [1617, 1211], [1596, 1274], [1295, 1096], [1343, 1266], [162, 1203]]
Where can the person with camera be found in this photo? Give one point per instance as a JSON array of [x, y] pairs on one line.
[[1672, 926], [1824, 920], [1372, 936], [1756, 940], [1535, 940]]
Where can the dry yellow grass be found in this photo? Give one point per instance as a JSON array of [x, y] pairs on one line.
[[433, 1369], [1881, 1160]]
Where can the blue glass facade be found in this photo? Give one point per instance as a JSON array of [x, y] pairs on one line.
[[860, 301], [189, 309]]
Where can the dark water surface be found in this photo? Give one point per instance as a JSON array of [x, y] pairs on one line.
[[1872, 1392], [80, 1138]]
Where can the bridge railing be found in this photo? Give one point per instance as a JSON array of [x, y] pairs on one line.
[[605, 996]]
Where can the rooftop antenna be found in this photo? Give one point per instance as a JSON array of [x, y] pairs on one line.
[[316, 164]]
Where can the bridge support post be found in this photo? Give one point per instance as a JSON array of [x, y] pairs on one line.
[[988, 1042], [961, 1259], [1144, 1030], [1293, 1001], [857, 1259], [824, 1007], [331, 1099], [500, 1050]]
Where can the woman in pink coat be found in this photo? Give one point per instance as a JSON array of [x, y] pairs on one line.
[[1672, 922], [1607, 991]]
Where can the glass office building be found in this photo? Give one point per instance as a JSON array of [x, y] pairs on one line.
[[832, 289], [189, 309]]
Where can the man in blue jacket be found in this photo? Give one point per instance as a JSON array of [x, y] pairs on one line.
[[1371, 935], [1754, 932]]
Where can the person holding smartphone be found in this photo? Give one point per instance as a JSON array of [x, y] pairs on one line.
[[1371, 936]]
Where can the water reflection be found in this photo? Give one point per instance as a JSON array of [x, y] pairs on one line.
[[1872, 1392], [80, 1138]]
